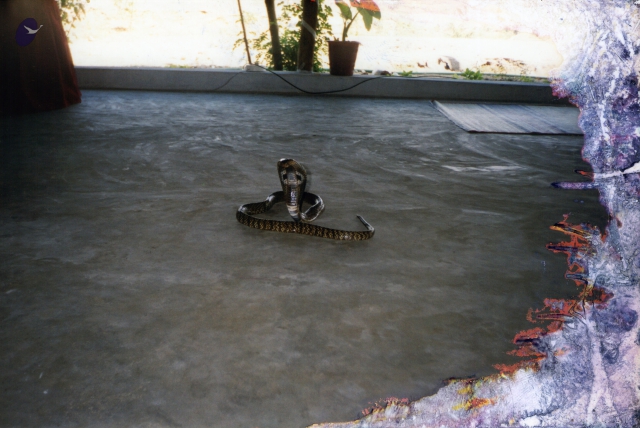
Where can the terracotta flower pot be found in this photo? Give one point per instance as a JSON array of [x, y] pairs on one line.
[[342, 57]]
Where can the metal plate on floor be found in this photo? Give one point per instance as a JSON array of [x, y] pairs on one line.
[[512, 118]]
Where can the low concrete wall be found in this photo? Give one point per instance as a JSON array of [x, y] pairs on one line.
[[169, 79]]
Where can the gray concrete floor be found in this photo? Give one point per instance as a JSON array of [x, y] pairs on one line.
[[130, 296]]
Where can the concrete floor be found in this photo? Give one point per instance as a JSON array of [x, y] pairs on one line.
[[130, 296]]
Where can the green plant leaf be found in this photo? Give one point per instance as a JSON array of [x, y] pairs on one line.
[[345, 10], [372, 13], [367, 18], [472, 75]]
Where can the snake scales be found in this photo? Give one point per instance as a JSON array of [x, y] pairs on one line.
[[293, 178]]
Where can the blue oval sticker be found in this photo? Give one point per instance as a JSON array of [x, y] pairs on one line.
[[26, 31]]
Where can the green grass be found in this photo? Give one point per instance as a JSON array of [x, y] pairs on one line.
[[471, 75]]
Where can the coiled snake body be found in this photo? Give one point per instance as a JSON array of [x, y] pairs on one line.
[[293, 178]]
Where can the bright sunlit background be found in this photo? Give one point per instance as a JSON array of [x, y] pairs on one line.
[[413, 35]]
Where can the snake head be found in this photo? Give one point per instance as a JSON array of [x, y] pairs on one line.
[[293, 178]]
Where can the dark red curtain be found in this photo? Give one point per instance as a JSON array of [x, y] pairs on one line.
[[39, 76]]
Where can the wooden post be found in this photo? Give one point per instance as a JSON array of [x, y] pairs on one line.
[[246, 43], [276, 52], [307, 35]]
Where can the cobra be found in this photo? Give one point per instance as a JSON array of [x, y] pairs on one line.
[[293, 178]]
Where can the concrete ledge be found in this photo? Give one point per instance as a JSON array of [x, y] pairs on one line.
[[238, 81]]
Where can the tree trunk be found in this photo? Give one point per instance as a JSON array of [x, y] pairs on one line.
[[307, 37], [276, 52], [244, 33]]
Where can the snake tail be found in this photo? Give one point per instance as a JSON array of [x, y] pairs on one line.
[[304, 228]]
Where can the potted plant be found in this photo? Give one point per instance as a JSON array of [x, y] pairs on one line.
[[343, 53]]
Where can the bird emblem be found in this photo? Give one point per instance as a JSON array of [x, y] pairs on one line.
[[26, 31], [31, 30]]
